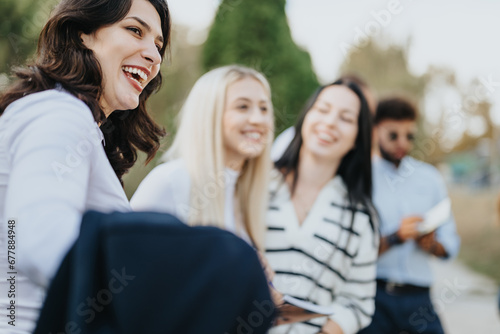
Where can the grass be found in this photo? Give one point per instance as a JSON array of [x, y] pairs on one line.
[[478, 224]]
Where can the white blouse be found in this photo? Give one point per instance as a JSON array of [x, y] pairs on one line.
[[167, 188], [53, 168]]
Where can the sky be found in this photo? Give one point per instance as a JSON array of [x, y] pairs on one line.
[[459, 34]]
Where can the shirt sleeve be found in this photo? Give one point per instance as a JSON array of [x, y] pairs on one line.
[[281, 143], [163, 190], [447, 233], [355, 301], [49, 150]]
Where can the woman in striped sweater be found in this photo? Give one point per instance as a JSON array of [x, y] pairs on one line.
[[321, 241]]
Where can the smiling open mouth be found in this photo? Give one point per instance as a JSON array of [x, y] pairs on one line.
[[135, 74], [326, 138], [253, 135]]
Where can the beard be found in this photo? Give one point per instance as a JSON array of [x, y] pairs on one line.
[[389, 157]]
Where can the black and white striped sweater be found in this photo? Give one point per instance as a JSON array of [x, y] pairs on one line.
[[329, 259]]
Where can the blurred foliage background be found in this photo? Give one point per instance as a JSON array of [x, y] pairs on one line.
[[256, 33]]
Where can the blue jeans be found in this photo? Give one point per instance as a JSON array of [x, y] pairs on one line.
[[403, 313]]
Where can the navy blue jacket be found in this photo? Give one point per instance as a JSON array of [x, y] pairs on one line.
[[133, 273]]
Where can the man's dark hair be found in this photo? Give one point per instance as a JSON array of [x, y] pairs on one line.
[[395, 108]]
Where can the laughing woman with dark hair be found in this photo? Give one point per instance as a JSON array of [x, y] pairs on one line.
[[321, 240], [97, 63]]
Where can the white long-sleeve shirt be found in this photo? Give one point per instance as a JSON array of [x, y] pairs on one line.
[[53, 168], [281, 143], [167, 189], [328, 259]]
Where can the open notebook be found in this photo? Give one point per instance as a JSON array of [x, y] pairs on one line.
[[297, 310], [435, 217], [308, 306]]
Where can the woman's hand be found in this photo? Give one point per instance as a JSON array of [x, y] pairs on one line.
[[276, 296], [265, 265], [331, 327]]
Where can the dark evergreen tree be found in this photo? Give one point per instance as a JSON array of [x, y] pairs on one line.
[[255, 33]]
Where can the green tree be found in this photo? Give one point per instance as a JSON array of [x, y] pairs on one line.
[[20, 25], [256, 33], [386, 70]]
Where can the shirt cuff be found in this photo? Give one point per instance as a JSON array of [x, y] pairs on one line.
[[346, 320]]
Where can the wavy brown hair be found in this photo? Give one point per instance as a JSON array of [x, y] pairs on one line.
[[63, 59]]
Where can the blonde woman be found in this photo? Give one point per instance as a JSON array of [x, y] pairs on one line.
[[218, 165]]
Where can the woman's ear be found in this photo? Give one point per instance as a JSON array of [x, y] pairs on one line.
[[87, 40]]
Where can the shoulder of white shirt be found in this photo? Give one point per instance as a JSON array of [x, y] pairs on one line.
[[34, 103]]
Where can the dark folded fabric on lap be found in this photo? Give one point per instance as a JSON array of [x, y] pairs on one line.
[[150, 273]]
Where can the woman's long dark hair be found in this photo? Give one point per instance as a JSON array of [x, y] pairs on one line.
[[63, 59], [355, 167]]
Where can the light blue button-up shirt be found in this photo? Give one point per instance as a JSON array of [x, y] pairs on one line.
[[411, 189]]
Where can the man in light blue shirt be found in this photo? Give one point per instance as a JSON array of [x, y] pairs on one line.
[[404, 190]]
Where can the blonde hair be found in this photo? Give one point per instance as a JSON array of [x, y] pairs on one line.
[[199, 142]]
